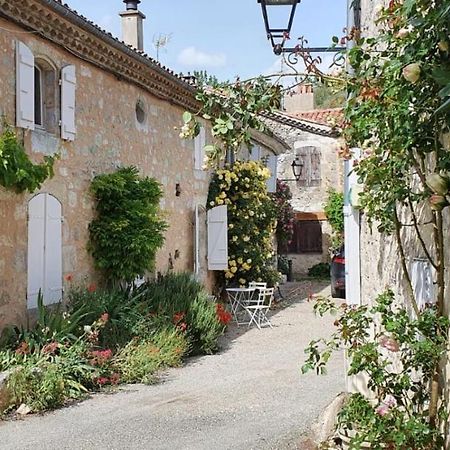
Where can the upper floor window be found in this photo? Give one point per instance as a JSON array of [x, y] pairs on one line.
[[39, 100], [311, 158]]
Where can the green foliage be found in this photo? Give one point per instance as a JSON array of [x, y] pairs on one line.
[[234, 110], [139, 360], [334, 210], [398, 355], [128, 230], [251, 221], [395, 92], [53, 324], [17, 172], [321, 270], [326, 96], [179, 299], [45, 381], [285, 214], [123, 315]]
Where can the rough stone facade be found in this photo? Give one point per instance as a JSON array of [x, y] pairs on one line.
[[108, 136], [310, 198]]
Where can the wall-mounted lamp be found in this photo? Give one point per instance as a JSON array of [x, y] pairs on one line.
[[297, 170]]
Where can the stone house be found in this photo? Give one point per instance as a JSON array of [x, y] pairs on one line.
[[71, 88], [313, 139]]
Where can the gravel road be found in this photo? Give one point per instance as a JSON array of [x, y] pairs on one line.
[[249, 396]]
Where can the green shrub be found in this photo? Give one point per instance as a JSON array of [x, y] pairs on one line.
[[47, 380], [139, 361], [179, 299], [128, 230], [122, 314], [53, 324], [321, 270]]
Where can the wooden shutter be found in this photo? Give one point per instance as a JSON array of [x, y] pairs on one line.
[[218, 238], [255, 154], [303, 154], [310, 237], [68, 88], [44, 250], [307, 237], [199, 149], [53, 251], [315, 174], [272, 162], [24, 86]]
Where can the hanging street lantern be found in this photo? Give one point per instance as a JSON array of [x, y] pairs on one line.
[[279, 35], [297, 168]]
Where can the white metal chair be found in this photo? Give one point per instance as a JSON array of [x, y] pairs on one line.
[[257, 284], [258, 308]]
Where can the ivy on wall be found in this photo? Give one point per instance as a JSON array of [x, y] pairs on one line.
[[128, 230], [17, 172]]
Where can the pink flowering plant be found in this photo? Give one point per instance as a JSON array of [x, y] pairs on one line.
[[397, 354]]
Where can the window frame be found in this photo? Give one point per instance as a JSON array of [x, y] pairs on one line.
[[38, 90]]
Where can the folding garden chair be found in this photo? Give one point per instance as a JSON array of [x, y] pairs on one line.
[[258, 308]]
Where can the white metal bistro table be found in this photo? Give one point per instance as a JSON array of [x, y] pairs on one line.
[[239, 297]]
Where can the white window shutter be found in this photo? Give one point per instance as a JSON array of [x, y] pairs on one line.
[[218, 238], [36, 243], [255, 154], [272, 165], [68, 88], [44, 250], [53, 251], [199, 149], [24, 86]]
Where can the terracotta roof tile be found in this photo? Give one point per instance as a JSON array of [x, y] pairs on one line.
[[328, 117]]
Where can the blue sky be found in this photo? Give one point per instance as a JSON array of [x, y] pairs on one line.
[[224, 37]]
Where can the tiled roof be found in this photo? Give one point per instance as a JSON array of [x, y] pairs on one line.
[[328, 117], [302, 124]]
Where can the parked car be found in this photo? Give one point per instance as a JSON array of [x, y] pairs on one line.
[[337, 272]]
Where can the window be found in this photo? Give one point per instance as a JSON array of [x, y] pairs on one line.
[[140, 112], [311, 173], [39, 100], [38, 109], [307, 237]]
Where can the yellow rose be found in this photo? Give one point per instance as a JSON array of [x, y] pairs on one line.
[[233, 269]]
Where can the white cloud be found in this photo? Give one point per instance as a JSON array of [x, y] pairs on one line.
[[192, 57]]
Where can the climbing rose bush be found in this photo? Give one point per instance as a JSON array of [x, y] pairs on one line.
[[251, 221]]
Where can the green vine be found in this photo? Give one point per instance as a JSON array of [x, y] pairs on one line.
[[128, 230], [334, 210], [234, 110], [17, 172]]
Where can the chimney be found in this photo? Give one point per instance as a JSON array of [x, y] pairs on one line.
[[301, 100], [132, 25]]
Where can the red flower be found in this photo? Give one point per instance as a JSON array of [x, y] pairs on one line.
[[23, 349], [178, 317], [102, 380], [100, 357], [182, 326], [223, 316], [115, 378], [50, 348], [104, 317], [92, 287], [69, 277]]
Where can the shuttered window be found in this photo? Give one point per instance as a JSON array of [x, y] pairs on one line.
[[68, 86], [311, 172], [218, 238], [307, 237]]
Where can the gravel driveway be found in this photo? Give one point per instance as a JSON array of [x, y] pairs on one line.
[[249, 396]]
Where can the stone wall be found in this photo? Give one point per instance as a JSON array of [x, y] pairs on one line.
[[310, 198], [108, 136]]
